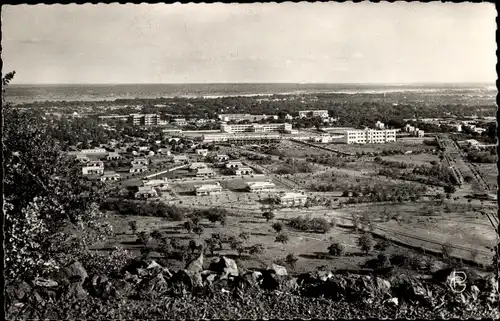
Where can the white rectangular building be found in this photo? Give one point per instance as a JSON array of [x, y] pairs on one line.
[[207, 189], [205, 172], [313, 113], [258, 187], [292, 199], [92, 170], [197, 165], [146, 192], [255, 128], [202, 152], [370, 136], [161, 184], [243, 170]]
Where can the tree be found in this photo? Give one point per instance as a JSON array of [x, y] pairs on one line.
[[143, 237], [245, 236], [133, 226], [256, 249], [450, 189], [365, 243], [278, 227], [382, 245], [336, 249], [282, 238], [193, 246], [291, 260], [198, 230], [211, 245], [269, 215], [188, 225], [156, 235]]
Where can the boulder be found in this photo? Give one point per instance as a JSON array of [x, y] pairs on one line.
[[102, 288], [278, 269], [45, 283], [225, 267], [152, 288], [18, 291], [196, 265], [132, 278], [76, 272], [252, 279], [383, 287], [76, 291], [314, 277], [189, 279], [122, 288]]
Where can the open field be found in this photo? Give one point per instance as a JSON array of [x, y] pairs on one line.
[[401, 145], [489, 172], [417, 159]]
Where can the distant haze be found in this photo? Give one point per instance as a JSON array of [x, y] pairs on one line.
[[250, 43]]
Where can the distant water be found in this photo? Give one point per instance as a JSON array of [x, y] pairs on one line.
[[31, 93]]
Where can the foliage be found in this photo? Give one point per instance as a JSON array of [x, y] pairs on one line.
[[336, 249], [133, 226], [51, 214], [256, 249], [365, 243], [278, 227], [269, 215], [291, 259], [316, 224], [282, 238], [446, 250], [156, 209]]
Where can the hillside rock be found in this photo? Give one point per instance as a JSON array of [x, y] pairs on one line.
[[18, 291], [278, 269], [75, 291], [152, 288], [76, 272], [224, 267], [45, 283], [196, 265], [189, 279]]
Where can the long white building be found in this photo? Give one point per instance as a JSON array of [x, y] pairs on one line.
[[370, 136], [255, 128], [313, 113]]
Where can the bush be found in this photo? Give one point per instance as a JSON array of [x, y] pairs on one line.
[[316, 224], [336, 249], [278, 227], [291, 260], [365, 243]]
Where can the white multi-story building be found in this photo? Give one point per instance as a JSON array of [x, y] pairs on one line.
[[241, 138], [257, 187], [292, 199], [240, 117], [255, 128], [113, 156], [93, 151], [313, 113], [144, 119], [180, 121], [207, 189], [370, 136]]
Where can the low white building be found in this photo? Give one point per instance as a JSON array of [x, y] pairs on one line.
[[202, 152], [258, 187], [164, 151], [207, 189], [94, 151], [233, 164], [222, 158], [146, 192], [138, 169], [113, 156], [180, 159], [313, 113], [139, 161], [161, 184], [92, 170], [180, 121], [110, 176], [205, 172], [243, 170], [99, 164], [197, 165], [292, 199], [82, 158], [379, 125]]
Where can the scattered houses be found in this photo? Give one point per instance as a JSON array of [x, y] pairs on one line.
[[234, 164], [292, 199], [202, 152], [161, 184], [197, 165], [205, 172], [110, 176], [258, 187], [138, 169], [180, 159], [222, 158], [243, 170], [113, 156], [139, 161]]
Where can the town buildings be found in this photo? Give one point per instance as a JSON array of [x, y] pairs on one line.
[[207, 189], [202, 152], [259, 187], [241, 117], [222, 158], [370, 136], [179, 121], [139, 161], [197, 165], [113, 156], [180, 159], [379, 125], [233, 164], [92, 170], [243, 170]]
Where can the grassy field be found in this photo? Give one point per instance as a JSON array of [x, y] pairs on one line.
[[490, 173], [418, 159]]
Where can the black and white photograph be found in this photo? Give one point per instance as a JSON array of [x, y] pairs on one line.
[[294, 160]]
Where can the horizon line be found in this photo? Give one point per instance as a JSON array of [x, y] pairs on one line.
[[261, 83]]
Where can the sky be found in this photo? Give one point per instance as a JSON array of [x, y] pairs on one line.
[[250, 43]]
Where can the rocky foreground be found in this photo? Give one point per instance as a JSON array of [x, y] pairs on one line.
[[145, 290]]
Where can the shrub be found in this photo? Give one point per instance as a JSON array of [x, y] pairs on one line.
[[336, 249], [282, 238], [278, 227], [291, 260]]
